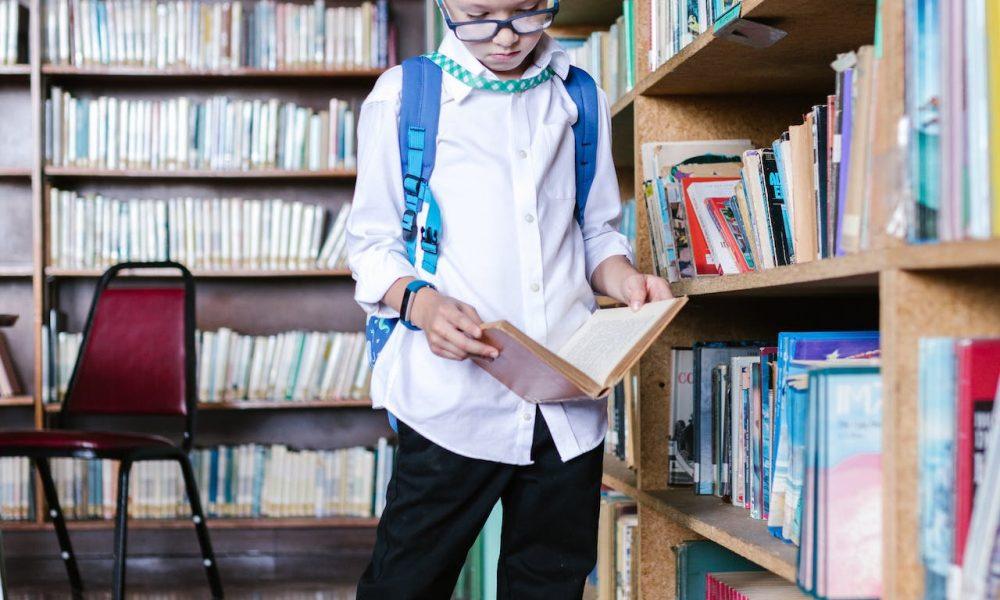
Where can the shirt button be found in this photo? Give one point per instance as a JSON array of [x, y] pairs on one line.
[[522, 154], [535, 287], [526, 416], [530, 218]]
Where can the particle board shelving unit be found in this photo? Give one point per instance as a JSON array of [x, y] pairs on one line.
[[715, 88]]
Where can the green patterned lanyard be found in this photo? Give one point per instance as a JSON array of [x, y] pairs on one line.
[[512, 86]]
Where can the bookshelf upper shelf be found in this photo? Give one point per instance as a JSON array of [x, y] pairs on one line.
[[204, 274], [726, 525], [17, 401], [198, 173], [100, 71], [18, 70], [619, 477], [798, 64], [852, 273]]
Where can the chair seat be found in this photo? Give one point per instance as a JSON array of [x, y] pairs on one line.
[[67, 441]]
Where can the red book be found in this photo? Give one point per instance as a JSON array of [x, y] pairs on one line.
[[977, 371], [704, 264]]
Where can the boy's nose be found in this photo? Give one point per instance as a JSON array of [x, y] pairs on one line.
[[506, 37]]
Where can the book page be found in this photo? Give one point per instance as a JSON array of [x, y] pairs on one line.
[[608, 336]]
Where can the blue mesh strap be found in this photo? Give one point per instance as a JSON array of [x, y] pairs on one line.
[[583, 90]]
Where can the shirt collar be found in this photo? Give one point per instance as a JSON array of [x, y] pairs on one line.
[[547, 53]]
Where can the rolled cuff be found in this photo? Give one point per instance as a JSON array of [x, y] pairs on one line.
[[375, 273], [604, 245]]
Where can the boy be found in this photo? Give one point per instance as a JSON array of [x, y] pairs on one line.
[[504, 179]]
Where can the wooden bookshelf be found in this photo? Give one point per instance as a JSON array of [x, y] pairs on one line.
[[21, 70], [797, 64], [17, 271], [619, 477], [213, 523], [727, 525], [204, 273], [14, 172], [277, 174], [17, 401], [243, 405], [71, 72]]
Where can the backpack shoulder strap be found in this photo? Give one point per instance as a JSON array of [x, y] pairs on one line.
[[420, 106], [583, 90]]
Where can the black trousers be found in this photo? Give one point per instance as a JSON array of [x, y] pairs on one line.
[[438, 501]]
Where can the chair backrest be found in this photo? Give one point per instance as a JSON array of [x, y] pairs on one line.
[[137, 356]]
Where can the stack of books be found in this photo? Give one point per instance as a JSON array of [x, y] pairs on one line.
[[696, 562], [676, 23], [16, 494], [958, 386], [750, 585], [10, 31], [94, 231], [623, 419], [609, 56], [616, 574], [757, 427], [952, 106], [218, 133], [294, 366], [217, 36], [248, 481]]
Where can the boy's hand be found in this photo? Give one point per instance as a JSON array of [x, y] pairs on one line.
[[640, 288], [452, 327]]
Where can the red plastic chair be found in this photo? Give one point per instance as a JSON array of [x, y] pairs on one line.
[[137, 358]]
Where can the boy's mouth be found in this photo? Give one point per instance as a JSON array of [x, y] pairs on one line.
[[504, 56]]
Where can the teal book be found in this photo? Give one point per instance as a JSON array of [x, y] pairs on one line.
[[491, 552], [696, 559], [923, 101]]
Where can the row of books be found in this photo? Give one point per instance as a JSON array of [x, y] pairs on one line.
[[215, 36], [957, 391], [616, 574], [609, 56], [705, 570], [953, 113], [16, 493], [676, 23], [218, 132], [627, 224], [478, 577], [10, 30], [9, 383], [746, 430], [723, 207], [94, 231], [246, 481], [293, 366], [623, 420]]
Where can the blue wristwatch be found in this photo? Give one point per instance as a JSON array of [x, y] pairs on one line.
[[411, 291]]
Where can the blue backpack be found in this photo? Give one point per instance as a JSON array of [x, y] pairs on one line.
[[418, 124]]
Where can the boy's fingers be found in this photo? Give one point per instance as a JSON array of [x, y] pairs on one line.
[[465, 323], [469, 345], [635, 291]]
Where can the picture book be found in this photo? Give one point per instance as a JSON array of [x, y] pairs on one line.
[[681, 406]]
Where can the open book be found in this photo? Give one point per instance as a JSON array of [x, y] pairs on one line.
[[595, 357]]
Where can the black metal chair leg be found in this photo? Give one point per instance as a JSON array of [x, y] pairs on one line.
[[121, 531], [59, 523], [198, 516]]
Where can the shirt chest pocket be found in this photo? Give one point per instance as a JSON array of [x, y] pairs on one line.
[[555, 155]]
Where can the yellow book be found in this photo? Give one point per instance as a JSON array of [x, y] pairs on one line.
[[993, 41]]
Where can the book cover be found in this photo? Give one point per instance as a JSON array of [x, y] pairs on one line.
[[702, 557], [977, 369], [681, 407], [936, 431]]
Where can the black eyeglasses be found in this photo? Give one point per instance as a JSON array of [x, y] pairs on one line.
[[486, 29]]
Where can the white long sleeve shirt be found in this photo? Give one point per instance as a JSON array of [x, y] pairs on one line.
[[504, 179]]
